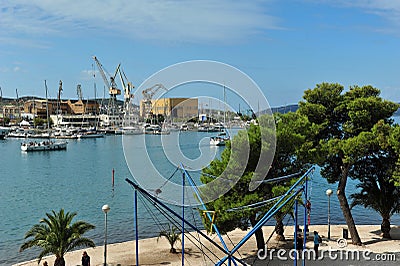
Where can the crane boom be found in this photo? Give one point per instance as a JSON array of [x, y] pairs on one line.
[[112, 86], [101, 70], [127, 86], [150, 92], [113, 90], [148, 95]]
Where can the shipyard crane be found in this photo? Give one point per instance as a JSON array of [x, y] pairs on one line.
[[127, 87], [79, 91], [148, 96], [113, 90], [60, 89]]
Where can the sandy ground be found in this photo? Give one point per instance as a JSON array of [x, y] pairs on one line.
[[153, 252]]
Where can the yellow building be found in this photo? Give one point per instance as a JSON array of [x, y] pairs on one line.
[[37, 107], [70, 107], [171, 107], [11, 111], [79, 107]]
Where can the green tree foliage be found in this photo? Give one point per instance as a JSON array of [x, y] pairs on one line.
[[39, 121], [56, 234], [289, 135], [375, 172], [394, 141], [340, 121]]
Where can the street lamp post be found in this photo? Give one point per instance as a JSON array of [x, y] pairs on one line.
[[329, 193], [105, 209]]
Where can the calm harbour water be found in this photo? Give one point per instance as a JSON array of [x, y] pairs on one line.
[[79, 179]]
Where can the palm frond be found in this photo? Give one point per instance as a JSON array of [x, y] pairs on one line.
[[56, 234]]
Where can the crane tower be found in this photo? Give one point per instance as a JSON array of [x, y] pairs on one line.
[[148, 96], [113, 90]]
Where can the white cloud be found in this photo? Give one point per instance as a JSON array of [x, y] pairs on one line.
[[16, 69], [163, 20], [387, 9]]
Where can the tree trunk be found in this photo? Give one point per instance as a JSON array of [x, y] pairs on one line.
[[385, 228], [172, 250], [279, 230], [59, 262], [344, 205], [259, 234]]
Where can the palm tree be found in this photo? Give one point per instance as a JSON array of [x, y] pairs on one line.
[[380, 195], [56, 235], [172, 235]]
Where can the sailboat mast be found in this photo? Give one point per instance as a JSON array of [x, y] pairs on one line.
[[224, 105], [1, 105], [95, 97], [47, 106]]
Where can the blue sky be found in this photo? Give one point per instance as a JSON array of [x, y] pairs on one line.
[[285, 46]]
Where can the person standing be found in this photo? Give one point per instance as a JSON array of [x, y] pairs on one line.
[[317, 239], [85, 259]]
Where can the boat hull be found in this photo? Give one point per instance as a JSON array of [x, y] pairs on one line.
[[44, 146], [132, 131], [216, 141]]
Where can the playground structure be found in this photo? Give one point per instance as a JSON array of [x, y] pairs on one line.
[[299, 188]]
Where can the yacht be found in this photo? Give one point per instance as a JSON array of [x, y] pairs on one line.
[[132, 130]]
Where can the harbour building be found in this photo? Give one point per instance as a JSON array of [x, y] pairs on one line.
[[173, 108]]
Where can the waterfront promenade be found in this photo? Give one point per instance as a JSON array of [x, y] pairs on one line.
[[153, 252]]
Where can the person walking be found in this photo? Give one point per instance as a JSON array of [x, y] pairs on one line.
[[317, 240], [85, 259]]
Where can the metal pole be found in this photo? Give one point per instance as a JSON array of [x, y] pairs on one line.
[[105, 240], [329, 216], [156, 201], [295, 232], [183, 219], [204, 208], [305, 218], [136, 228], [329, 193]]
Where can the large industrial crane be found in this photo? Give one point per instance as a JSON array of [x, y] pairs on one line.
[[128, 87], [113, 90], [60, 89], [148, 96]]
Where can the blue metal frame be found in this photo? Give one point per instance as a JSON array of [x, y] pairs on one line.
[[295, 231], [204, 208], [183, 220], [141, 190], [289, 195]]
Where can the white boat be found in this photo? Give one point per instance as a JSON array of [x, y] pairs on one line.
[[155, 130], [44, 146], [219, 140], [151, 129], [184, 127], [89, 134], [132, 130]]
